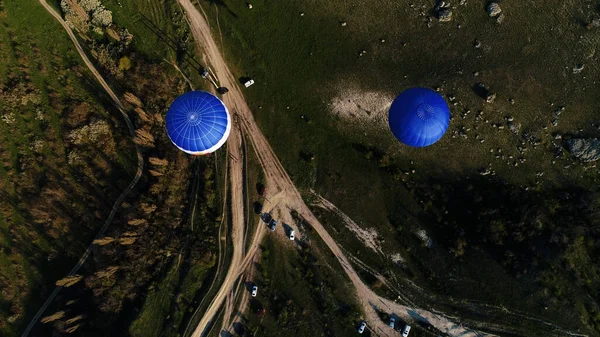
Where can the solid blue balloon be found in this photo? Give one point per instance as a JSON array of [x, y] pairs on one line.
[[419, 117], [198, 122]]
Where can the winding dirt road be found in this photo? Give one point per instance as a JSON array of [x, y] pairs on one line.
[[134, 181], [278, 182]]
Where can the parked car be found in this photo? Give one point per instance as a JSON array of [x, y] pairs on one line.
[[249, 83], [392, 322], [254, 291], [292, 235], [362, 327], [272, 225], [406, 331], [266, 217]]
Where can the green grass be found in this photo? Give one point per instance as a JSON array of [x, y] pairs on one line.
[[156, 307], [300, 63], [303, 292], [168, 301]]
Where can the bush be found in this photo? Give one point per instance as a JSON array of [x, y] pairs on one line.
[[124, 63], [101, 17]]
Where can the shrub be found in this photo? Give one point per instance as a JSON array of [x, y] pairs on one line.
[[124, 63]]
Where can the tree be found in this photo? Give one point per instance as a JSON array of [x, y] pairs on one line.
[[103, 241], [101, 17], [124, 63], [69, 280], [53, 317], [138, 222], [132, 99], [144, 138]]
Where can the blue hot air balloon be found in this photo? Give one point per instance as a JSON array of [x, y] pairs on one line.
[[198, 122], [419, 117]]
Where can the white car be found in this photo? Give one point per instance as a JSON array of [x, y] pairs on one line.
[[255, 291], [292, 235], [248, 83], [362, 327], [406, 331], [392, 322]]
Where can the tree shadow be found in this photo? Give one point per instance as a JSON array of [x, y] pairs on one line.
[[222, 4], [260, 189]]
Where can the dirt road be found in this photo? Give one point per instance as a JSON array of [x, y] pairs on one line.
[[278, 181], [134, 181]]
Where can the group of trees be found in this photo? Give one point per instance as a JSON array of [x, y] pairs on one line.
[[65, 158], [550, 235]]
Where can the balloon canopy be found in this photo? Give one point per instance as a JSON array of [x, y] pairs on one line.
[[198, 122], [419, 117]]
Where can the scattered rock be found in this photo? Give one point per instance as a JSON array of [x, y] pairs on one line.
[[587, 150], [578, 68], [494, 9], [514, 127], [462, 2], [301, 13], [477, 44], [445, 15], [343, 23], [594, 24], [485, 172], [500, 18], [249, 5], [490, 97]]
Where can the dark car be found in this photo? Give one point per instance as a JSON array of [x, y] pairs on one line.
[[272, 225], [266, 217]]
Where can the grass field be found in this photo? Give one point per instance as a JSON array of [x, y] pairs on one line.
[[303, 63]]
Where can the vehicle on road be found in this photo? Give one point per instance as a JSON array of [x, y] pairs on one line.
[[266, 217], [272, 225], [254, 290], [248, 83], [362, 327], [406, 331], [392, 322], [204, 73], [292, 235]]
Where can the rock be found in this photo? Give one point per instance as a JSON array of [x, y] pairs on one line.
[[462, 2], [445, 15], [343, 23], [514, 127], [485, 172], [586, 150], [500, 18], [494, 9], [250, 6], [477, 44], [594, 24], [490, 97], [301, 13], [578, 68]]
